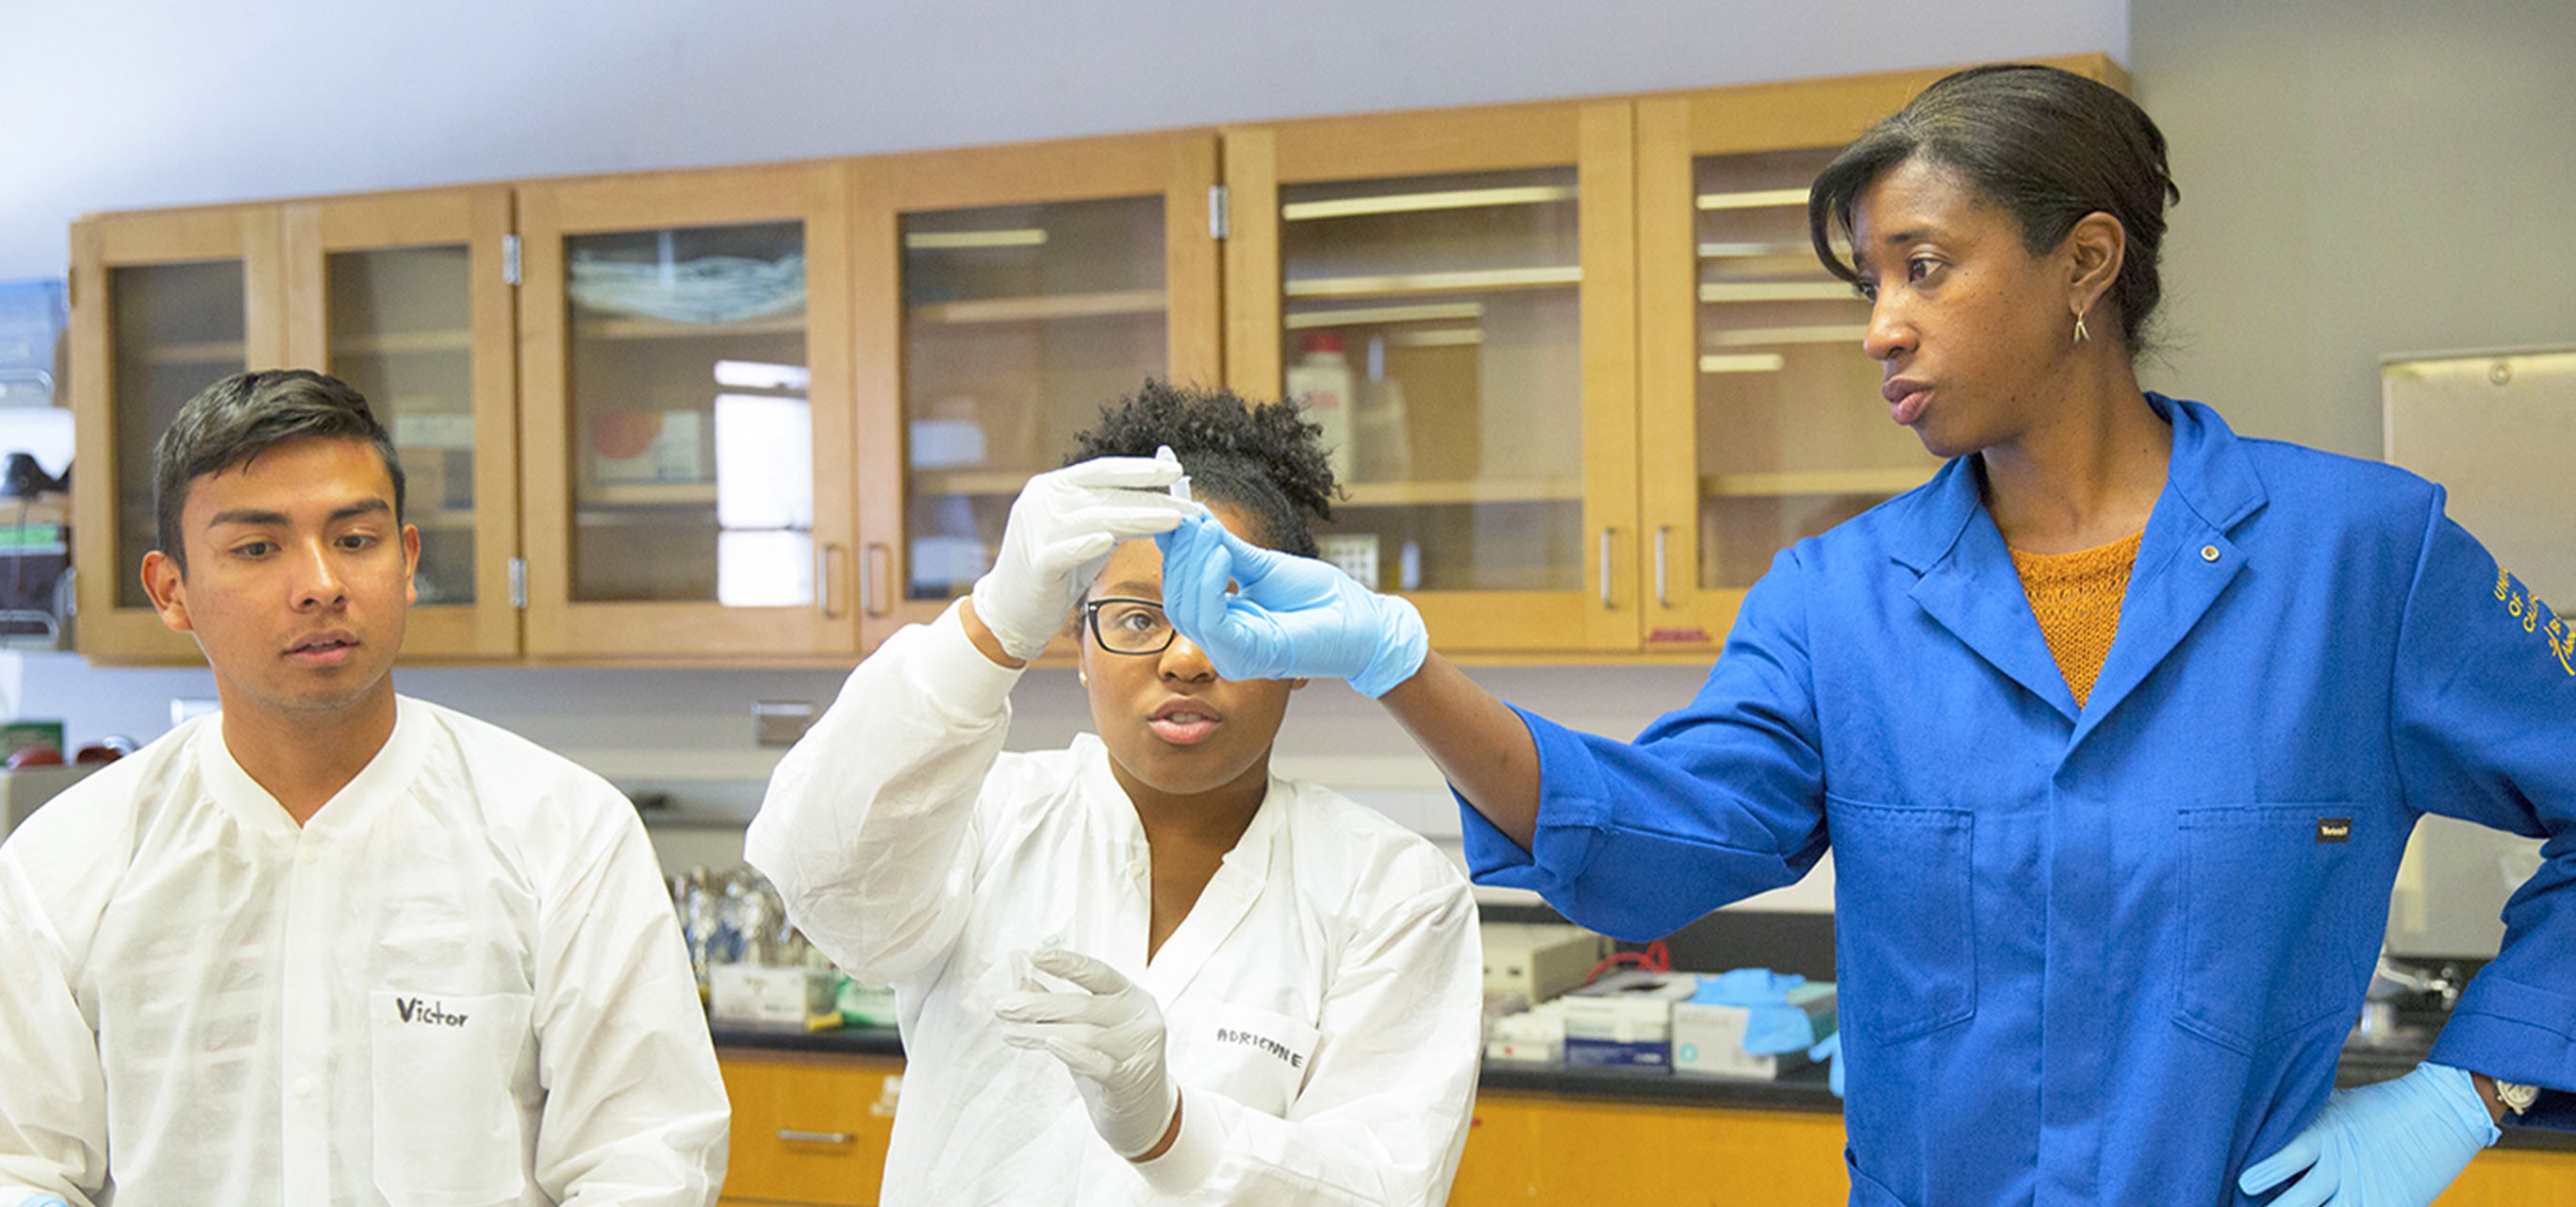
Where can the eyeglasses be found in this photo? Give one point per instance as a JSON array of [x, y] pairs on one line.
[[1128, 626]]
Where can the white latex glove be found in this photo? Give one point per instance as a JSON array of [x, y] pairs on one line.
[[1110, 1034], [1062, 528]]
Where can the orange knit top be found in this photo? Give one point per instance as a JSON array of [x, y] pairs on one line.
[[2077, 599]]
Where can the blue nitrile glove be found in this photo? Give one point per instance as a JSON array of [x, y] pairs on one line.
[[1292, 618], [1831, 1050], [2395, 1144], [1771, 1024]]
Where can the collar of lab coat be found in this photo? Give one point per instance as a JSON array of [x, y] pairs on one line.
[[393, 769], [1241, 876], [2185, 559]]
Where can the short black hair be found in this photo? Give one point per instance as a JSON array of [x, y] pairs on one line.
[[2048, 145], [1263, 458], [230, 423]]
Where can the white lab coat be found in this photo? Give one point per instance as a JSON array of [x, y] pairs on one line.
[[460, 983], [1323, 998]]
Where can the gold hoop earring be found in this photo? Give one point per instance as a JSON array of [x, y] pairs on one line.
[[2081, 334]]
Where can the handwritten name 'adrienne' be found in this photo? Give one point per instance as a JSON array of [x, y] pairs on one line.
[[1228, 1035]]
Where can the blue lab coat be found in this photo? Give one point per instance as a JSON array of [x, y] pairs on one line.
[[2102, 954]]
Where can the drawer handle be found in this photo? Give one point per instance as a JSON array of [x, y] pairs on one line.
[[793, 1136]]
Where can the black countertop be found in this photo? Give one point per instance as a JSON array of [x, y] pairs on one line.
[[1803, 1090]]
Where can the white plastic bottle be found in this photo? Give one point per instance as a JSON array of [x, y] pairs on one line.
[[1321, 379]]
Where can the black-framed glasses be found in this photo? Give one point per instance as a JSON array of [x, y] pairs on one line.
[[1123, 625]]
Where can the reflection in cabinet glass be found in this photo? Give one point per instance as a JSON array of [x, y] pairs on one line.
[[400, 330], [691, 438], [1020, 324], [1793, 438], [178, 328], [1433, 331]]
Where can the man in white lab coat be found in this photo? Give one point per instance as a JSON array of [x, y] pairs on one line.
[[333, 945]]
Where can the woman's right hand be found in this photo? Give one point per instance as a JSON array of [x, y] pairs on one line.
[[1062, 528]]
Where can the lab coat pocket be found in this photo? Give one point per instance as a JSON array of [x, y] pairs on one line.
[[1903, 881], [1256, 1057], [2280, 919], [446, 1122]]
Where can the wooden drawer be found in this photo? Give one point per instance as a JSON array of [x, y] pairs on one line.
[[809, 1129]]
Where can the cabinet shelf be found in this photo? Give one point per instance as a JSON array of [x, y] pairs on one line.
[[1038, 309], [1776, 291], [1400, 284], [204, 352], [1764, 337], [1470, 490], [1814, 482], [589, 327], [649, 494], [403, 343], [1361, 494], [440, 520]]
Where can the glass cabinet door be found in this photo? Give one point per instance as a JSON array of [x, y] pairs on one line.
[[1458, 335], [1027, 288], [1019, 324], [164, 305], [682, 397], [414, 312], [1792, 435]]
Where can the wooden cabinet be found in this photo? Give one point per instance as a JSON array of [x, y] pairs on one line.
[[1761, 418], [163, 304], [686, 365], [1584, 375], [407, 298], [1451, 293], [403, 295], [1539, 1148], [809, 1129], [1009, 293]]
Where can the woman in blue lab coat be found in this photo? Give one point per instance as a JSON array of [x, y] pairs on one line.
[[2116, 728]]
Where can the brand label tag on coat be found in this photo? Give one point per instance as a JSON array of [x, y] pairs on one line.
[[2334, 829]]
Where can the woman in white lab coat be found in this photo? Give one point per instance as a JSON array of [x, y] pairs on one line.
[[1143, 967]]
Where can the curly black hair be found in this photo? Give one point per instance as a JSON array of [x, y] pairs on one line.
[[1262, 458]]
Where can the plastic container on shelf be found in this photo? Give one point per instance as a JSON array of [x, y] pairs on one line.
[[1321, 379]]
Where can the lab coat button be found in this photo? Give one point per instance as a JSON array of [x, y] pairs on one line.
[[306, 853], [303, 1087], [2209, 553]]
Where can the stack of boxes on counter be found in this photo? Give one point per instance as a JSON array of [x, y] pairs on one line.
[[1550, 999]]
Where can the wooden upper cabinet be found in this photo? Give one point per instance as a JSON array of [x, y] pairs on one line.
[[1452, 296], [163, 305], [1008, 294], [1762, 416], [686, 402], [406, 296]]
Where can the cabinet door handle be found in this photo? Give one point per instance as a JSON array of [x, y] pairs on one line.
[[827, 579], [1606, 601], [1663, 595], [876, 572], [793, 1136]]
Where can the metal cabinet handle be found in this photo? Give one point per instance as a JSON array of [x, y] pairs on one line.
[[1606, 601], [1663, 595], [794, 1136], [827, 579], [876, 575]]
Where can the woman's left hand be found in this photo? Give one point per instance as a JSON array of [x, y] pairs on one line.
[[1110, 1034], [2395, 1144]]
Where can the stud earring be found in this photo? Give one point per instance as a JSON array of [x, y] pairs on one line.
[[2081, 334]]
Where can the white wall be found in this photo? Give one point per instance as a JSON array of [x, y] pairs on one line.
[[2359, 177], [141, 103]]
